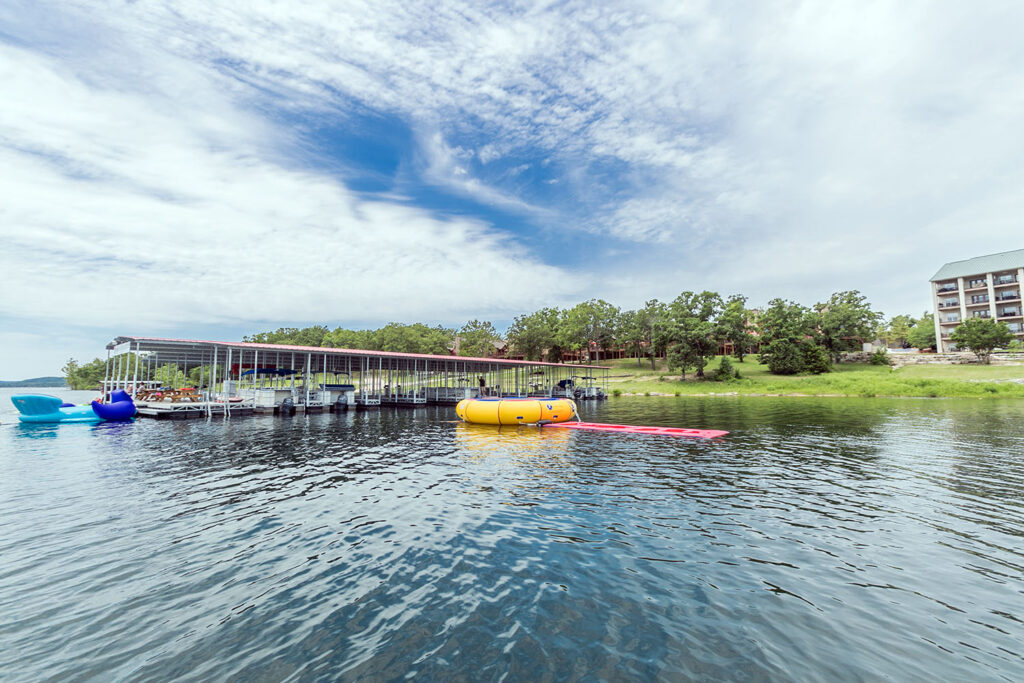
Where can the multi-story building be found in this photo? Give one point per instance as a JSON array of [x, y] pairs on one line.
[[982, 287]]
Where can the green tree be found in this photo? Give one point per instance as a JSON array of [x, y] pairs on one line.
[[784, 356], [785, 320], [341, 338], [642, 330], [681, 357], [897, 330], [922, 334], [692, 326], [652, 318], [787, 330], [476, 339], [531, 335], [733, 325], [981, 335], [816, 359], [87, 376], [70, 372], [415, 338], [845, 321], [586, 323], [629, 335]]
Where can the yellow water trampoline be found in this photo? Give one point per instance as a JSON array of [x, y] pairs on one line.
[[515, 411]]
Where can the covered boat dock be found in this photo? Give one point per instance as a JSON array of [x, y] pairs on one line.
[[178, 378]]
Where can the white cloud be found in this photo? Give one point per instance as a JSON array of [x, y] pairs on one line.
[[121, 209], [789, 149]]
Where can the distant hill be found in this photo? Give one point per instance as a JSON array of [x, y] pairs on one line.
[[36, 382]]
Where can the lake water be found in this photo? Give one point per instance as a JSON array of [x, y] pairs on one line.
[[823, 539]]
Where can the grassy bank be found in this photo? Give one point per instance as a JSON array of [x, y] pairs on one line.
[[932, 381]]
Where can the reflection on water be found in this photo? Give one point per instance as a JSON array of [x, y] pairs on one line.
[[822, 539]]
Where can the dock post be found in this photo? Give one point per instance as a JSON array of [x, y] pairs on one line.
[[227, 378]]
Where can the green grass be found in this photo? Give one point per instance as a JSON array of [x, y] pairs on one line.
[[933, 381]]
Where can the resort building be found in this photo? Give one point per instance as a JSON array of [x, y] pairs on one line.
[[982, 287]]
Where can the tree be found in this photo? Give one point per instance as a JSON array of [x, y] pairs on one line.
[[415, 338], [845, 321], [681, 357], [651, 319], [784, 357], [340, 338], [476, 339], [733, 325], [897, 330], [922, 334], [588, 322], [692, 327], [70, 372], [642, 331], [531, 335], [816, 359], [785, 320], [631, 335], [981, 335], [306, 336], [789, 337], [87, 376]]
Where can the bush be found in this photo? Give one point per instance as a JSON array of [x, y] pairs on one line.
[[880, 357], [816, 359], [725, 371], [616, 392], [783, 357]]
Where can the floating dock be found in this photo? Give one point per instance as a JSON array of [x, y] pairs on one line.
[[186, 378], [638, 429]]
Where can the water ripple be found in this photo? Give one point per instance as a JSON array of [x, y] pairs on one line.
[[821, 539]]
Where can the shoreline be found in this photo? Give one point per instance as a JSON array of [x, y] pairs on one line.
[[737, 394]]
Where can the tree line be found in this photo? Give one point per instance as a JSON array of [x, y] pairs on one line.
[[687, 332]]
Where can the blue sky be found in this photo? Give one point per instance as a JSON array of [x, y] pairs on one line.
[[200, 169]]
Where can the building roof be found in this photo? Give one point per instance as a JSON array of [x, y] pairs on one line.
[[192, 350], [993, 263]]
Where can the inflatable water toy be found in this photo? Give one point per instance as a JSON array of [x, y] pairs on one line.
[[636, 429], [515, 411], [120, 408], [40, 408]]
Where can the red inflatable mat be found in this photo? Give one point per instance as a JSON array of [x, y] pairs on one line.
[[636, 429]]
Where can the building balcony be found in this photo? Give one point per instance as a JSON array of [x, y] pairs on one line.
[[946, 288], [981, 314], [974, 288], [1004, 281], [952, 305], [979, 303], [950, 322], [1013, 297]]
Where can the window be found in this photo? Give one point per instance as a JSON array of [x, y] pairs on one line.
[[977, 283], [981, 314], [952, 317], [979, 298], [1005, 279]]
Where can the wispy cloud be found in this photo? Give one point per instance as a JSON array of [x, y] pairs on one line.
[[120, 211]]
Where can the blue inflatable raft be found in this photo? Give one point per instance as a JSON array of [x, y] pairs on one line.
[[39, 408]]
